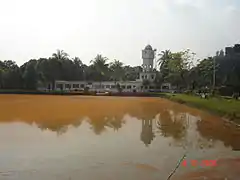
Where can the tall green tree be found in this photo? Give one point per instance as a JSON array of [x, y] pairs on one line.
[[10, 75], [51, 70], [178, 67], [30, 75], [60, 55], [117, 71], [163, 61], [131, 73], [101, 67], [205, 70], [77, 61]]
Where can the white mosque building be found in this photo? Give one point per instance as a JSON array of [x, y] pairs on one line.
[[148, 56]]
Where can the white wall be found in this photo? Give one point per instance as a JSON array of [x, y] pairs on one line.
[[128, 86]]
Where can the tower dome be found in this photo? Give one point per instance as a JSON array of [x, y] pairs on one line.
[[148, 47]]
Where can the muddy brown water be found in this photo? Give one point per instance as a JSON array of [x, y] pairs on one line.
[[112, 138]]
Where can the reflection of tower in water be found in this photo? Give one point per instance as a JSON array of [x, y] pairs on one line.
[[147, 134]]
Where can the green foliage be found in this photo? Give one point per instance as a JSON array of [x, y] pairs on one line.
[[145, 82], [159, 79], [86, 90], [30, 75], [116, 70], [10, 75], [100, 68], [60, 55], [131, 73], [163, 62], [174, 67], [60, 66], [228, 108]]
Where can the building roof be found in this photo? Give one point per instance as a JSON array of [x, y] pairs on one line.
[[148, 47]]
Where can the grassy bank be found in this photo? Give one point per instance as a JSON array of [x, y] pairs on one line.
[[228, 108]]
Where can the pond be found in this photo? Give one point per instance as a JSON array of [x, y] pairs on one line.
[[112, 138]]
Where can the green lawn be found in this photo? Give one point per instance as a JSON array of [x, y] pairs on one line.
[[221, 106]]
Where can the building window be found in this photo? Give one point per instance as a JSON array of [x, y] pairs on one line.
[[82, 85], [67, 86], [113, 86], [129, 87], [152, 76], [59, 86], [165, 87], [142, 77], [145, 76], [108, 86], [151, 87], [123, 87], [134, 86], [75, 85]]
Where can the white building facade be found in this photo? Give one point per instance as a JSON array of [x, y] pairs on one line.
[[148, 55]]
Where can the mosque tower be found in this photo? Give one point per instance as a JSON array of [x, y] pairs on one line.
[[148, 56]]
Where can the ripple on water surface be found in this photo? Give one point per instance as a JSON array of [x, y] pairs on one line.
[[60, 137]]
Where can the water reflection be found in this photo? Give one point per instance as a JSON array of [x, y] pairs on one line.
[[186, 130], [116, 123], [59, 128], [92, 138], [159, 118], [100, 124], [147, 134], [172, 124], [220, 130]]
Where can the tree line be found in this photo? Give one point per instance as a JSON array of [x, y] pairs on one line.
[[177, 68], [219, 71]]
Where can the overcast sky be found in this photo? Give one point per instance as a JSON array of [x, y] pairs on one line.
[[118, 29]]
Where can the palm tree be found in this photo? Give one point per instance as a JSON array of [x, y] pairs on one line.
[[117, 70], [60, 55], [100, 65], [77, 61], [165, 56]]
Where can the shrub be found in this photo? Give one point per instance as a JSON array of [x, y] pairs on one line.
[[86, 90]]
